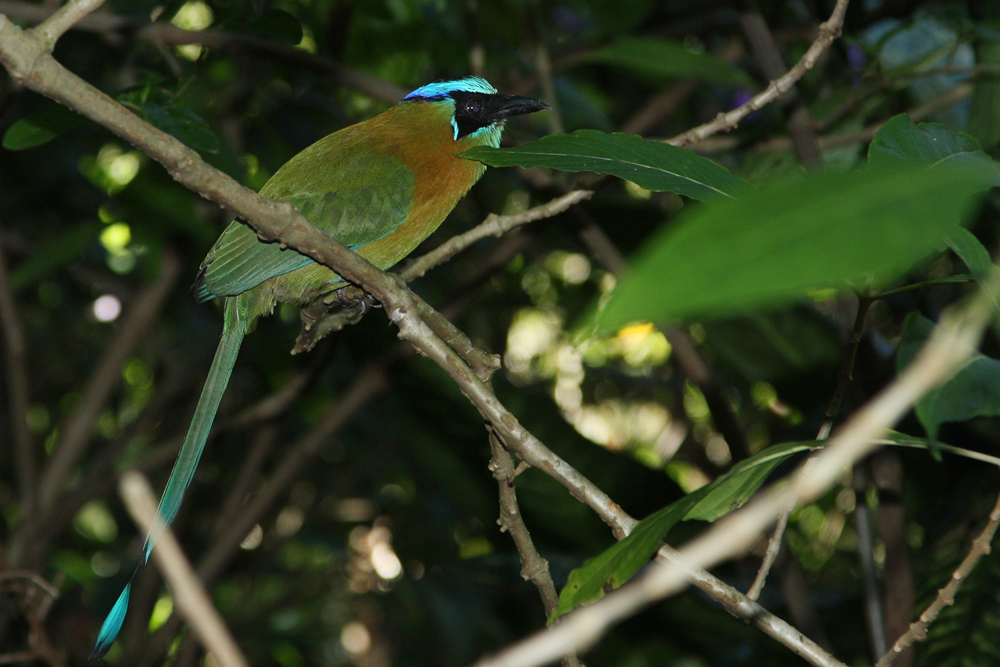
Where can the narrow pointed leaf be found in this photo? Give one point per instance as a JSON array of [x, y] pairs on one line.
[[731, 490], [621, 561], [650, 164]]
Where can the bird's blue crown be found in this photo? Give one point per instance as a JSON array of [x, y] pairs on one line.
[[439, 90]]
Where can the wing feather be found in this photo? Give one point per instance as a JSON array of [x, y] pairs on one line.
[[366, 203]]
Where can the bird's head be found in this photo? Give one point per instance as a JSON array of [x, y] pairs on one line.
[[477, 110]]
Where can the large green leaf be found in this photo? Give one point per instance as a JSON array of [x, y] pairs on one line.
[[769, 247], [621, 561], [664, 58], [972, 392], [650, 164]]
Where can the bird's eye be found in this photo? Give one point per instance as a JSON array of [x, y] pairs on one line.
[[473, 107]]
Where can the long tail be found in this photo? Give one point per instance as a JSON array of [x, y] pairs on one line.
[[233, 332]]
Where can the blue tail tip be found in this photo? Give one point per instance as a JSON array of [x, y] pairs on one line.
[[112, 625]]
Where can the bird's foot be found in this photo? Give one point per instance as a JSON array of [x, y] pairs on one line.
[[351, 296]]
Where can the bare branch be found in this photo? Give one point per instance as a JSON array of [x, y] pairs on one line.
[[534, 568], [725, 122], [64, 19], [946, 596], [187, 591]]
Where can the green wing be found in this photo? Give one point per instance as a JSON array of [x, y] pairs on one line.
[[355, 204]]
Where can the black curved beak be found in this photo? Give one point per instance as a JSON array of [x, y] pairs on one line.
[[518, 105]]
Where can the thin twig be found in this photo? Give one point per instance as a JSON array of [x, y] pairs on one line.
[[187, 591], [534, 568], [728, 121], [65, 17], [770, 555], [946, 595], [844, 378], [846, 374], [897, 572], [920, 112], [798, 119], [870, 596], [494, 225]]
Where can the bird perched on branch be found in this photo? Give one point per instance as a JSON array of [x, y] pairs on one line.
[[379, 187]]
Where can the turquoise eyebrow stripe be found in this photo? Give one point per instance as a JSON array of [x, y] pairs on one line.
[[441, 89]]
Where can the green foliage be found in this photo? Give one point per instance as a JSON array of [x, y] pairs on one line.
[[973, 392], [663, 58], [40, 128], [741, 247], [770, 246], [900, 143], [649, 164], [616, 565], [181, 121]]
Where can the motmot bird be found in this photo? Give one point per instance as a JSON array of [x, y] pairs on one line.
[[380, 187]]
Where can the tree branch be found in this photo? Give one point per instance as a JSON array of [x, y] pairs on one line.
[[946, 596], [534, 568], [187, 591], [27, 61], [728, 121]]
